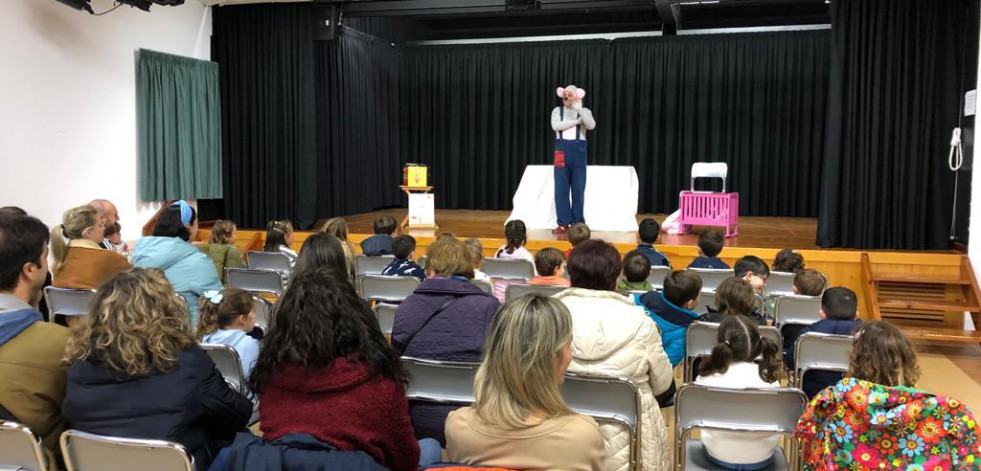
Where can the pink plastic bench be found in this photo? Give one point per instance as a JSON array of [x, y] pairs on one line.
[[710, 209]]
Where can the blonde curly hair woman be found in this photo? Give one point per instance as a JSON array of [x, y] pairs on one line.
[[136, 370]]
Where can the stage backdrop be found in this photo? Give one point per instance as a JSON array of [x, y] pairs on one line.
[[480, 114]]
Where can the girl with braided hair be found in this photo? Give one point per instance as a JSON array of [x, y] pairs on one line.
[[516, 235]]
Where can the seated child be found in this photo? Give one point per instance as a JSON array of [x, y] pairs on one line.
[[516, 235], [404, 248], [672, 311], [577, 234], [476, 251], [636, 269], [380, 243], [647, 235], [839, 315], [754, 270], [807, 282], [549, 266], [788, 261], [227, 317], [732, 365], [710, 243], [734, 296]]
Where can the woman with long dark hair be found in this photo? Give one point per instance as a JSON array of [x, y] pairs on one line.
[[325, 370], [321, 250]]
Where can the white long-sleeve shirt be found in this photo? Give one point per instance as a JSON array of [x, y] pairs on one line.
[[566, 128]]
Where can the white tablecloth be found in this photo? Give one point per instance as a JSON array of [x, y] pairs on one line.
[[611, 198]]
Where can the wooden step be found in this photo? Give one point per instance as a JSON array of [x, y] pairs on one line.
[[919, 279], [941, 334], [928, 305]]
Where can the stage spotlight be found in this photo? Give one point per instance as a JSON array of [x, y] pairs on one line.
[[78, 4]]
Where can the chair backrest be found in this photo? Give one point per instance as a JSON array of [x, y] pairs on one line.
[[263, 312], [516, 290], [705, 299], [255, 281], [752, 410], [387, 288], [656, 278], [365, 265], [615, 400], [385, 313], [484, 285], [779, 282], [711, 278], [19, 448], [796, 309], [90, 452], [228, 363], [447, 382], [269, 261], [816, 351], [709, 170], [702, 337], [509, 269], [68, 302]]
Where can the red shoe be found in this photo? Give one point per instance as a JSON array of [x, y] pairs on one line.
[[561, 229]]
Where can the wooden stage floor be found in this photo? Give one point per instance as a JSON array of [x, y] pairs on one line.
[[755, 232]]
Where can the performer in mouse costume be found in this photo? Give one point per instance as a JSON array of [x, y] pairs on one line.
[[570, 123]]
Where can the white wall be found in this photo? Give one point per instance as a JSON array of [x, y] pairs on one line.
[[68, 101]]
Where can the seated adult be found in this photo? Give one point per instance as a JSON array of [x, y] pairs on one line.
[[520, 420], [137, 372], [189, 270], [446, 318], [875, 418], [110, 216], [322, 251], [80, 261], [325, 370], [614, 337], [31, 350]]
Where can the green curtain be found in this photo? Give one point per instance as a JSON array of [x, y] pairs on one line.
[[179, 122]]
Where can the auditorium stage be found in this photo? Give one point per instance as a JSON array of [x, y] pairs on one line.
[[756, 232]]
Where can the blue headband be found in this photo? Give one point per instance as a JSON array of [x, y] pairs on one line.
[[186, 212]]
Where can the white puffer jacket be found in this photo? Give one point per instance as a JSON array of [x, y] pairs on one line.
[[613, 337]]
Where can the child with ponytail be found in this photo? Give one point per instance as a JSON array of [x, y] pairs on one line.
[[731, 365], [516, 235], [227, 317]]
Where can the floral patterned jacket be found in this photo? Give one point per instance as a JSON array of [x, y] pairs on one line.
[[858, 425]]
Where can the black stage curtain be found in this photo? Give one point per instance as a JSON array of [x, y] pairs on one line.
[[358, 125], [894, 97], [479, 114], [266, 63], [310, 128]]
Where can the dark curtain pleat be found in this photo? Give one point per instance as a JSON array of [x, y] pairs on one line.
[[265, 54], [358, 125], [894, 98], [479, 114]]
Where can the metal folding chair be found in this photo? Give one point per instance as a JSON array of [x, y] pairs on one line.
[[509, 269], [817, 351], [656, 278], [89, 452], [365, 265], [612, 400], [779, 283], [277, 261], [484, 286], [516, 290], [255, 281], [387, 288], [793, 309], [702, 337], [20, 448], [263, 312], [228, 363], [67, 301], [771, 411], [446, 382], [385, 313], [711, 278]]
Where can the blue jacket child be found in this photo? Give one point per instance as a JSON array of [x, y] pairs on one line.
[[673, 321]]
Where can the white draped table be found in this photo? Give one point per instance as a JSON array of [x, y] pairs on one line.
[[610, 199]]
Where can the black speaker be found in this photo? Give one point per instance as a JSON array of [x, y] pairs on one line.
[[325, 25]]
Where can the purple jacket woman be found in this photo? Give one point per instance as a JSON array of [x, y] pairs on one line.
[[456, 333]]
